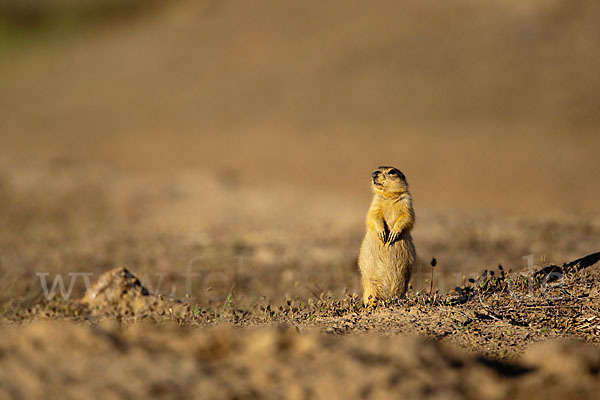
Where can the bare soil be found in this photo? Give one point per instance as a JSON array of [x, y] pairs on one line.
[[196, 176]]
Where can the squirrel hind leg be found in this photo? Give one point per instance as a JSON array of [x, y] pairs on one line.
[[370, 292]]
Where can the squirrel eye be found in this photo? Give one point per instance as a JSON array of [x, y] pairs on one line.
[[393, 172]]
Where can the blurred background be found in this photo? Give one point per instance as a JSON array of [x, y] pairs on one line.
[[239, 137]]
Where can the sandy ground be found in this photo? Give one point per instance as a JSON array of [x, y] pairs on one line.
[[221, 152], [162, 361]]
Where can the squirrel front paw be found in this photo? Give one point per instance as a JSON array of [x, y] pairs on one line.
[[393, 236]]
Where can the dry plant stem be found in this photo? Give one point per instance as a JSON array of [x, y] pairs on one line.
[[431, 283]]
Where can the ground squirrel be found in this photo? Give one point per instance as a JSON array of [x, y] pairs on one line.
[[387, 251]]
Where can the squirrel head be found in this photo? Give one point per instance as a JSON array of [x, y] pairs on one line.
[[389, 181]]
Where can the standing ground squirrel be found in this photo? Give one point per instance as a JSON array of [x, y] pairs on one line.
[[387, 252]]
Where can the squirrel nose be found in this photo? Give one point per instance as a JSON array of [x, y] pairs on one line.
[[374, 174]]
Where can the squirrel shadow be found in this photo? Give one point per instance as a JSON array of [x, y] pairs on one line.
[[554, 272]]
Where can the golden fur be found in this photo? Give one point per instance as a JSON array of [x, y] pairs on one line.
[[387, 252]]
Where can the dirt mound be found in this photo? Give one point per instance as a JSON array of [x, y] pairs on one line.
[[54, 360], [118, 293], [116, 284]]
